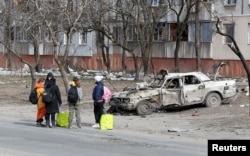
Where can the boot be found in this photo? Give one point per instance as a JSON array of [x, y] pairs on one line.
[[53, 123], [47, 124]]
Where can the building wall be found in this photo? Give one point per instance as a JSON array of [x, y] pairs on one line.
[[234, 68], [238, 14], [221, 51]]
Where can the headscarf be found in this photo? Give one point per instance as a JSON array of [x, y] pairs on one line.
[[98, 78]]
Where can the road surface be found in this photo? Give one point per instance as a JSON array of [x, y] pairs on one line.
[[22, 138]]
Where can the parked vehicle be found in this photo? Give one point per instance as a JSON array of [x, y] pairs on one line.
[[173, 90]]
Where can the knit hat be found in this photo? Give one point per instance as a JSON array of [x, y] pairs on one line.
[[98, 78]]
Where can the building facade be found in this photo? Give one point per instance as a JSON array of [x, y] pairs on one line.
[[85, 54]]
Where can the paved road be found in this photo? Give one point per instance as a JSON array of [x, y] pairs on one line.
[[24, 139]]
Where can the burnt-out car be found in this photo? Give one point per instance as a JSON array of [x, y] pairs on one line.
[[173, 90]]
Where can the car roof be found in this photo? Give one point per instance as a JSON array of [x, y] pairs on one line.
[[200, 75]]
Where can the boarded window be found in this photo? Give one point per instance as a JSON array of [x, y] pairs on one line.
[[205, 32]]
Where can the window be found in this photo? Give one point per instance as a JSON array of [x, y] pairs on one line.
[[82, 38], [64, 39], [189, 80], [205, 32], [248, 40], [160, 32], [154, 3], [207, 0], [117, 34], [47, 37], [229, 2], [131, 31], [173, 33], [178, 2], [21, 35], [229, 29]]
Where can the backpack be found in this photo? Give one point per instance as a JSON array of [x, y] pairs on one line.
[[47, 96], [107, 93], [73, 94], [33, 96]]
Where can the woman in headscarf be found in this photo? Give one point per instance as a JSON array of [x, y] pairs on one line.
[[53, 107], [40, 105]]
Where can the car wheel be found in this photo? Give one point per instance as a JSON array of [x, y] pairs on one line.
[[144, 108], [213, 100]]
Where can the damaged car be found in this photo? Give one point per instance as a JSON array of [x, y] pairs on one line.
[[173, 90]]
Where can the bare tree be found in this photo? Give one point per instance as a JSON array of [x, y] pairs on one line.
[[16, 13], [183, 8], [235, 48], [8, 22], [60, 18]]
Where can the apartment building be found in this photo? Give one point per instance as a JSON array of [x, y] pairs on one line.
[[84, 51]]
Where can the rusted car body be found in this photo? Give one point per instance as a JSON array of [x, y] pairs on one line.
[[174, 90]]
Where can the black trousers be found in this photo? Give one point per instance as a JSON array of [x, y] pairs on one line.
[[98, 110], [53, 118]]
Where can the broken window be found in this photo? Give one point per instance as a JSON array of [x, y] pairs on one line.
[[173, 32], [229, 29], [188, 80], [172, 83], [160, 32]]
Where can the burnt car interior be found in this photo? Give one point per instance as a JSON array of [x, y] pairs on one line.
[[188, 80]]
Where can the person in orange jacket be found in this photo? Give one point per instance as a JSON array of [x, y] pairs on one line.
[[40, 105]]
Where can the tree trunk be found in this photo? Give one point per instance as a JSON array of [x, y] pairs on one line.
[[136, 67], [176, 54], [197, 36], [124, 67], [38, 66]]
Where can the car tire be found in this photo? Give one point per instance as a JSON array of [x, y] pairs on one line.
[[144, 108], [213, 100]]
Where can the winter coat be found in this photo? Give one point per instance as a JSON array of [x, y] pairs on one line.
[[53, 107], [40, 90], [98, 92]]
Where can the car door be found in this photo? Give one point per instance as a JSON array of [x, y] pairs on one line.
[[171, 92], [193, 89]]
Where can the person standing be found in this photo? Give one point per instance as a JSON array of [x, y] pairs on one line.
[[98, 100], [74, 98], [40, 105], [53, 107]]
